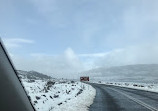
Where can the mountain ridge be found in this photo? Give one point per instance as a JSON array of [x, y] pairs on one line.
[[127, 73]]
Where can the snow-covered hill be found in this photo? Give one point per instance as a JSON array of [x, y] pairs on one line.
[[146, 73], [48, 94], [32, 75]]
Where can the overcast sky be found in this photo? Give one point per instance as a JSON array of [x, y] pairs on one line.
[[68, 36]]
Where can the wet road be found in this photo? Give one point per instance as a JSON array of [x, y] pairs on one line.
[[112, 98]]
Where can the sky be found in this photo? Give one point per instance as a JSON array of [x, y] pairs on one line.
[[63, 37]]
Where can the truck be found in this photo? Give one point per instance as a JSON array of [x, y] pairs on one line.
[[84, 78]]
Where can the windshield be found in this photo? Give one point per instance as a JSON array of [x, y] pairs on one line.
[[84, 55]]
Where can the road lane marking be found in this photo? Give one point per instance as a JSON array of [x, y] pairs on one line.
[[136, 100]]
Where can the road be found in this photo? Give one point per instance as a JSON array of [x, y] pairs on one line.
[[113, 98]]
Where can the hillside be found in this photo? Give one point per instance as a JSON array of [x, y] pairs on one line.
[[147, 73], [32, 75], [50, 94]]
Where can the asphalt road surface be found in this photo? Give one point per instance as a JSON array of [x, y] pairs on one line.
[[113, 98]]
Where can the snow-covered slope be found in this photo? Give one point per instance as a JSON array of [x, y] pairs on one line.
[[57, 95], [146, 73]]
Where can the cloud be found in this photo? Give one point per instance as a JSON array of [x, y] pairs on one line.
[[16, 42], [56, 65], [140, 21], [92, 55], [70, 63], [142, 54], [53, 11]]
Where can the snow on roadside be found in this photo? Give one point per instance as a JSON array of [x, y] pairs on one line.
[[82, 102], [141, 86], [47, 95]]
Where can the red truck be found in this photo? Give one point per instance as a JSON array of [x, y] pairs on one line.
[[84, 78]]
